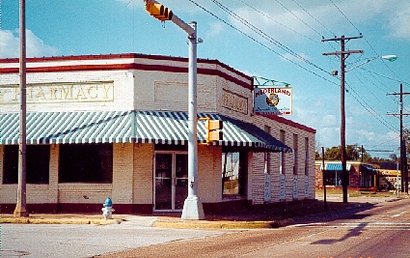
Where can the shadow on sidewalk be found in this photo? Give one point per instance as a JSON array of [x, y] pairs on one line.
[[307, 211]]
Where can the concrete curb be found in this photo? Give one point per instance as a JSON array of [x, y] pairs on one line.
[[58, 220], [219, 224]]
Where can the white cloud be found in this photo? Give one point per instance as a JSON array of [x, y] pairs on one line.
[[329, 120], [399, 22], [293, 23], [215, 29], [35, 47]]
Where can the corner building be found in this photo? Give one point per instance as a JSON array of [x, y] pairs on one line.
[[116, 126]]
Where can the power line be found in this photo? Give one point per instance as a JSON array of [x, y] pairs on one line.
[[344, 15], [368, 43], [266, 36], [384, 76], [314, 18], [275, 21], [366, 106], [266, 46], [298, 18]]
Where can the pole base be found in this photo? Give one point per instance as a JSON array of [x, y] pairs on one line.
[[20, 212], [192, 208]]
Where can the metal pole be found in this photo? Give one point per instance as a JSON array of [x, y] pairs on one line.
[[192, 205], [20, 210]]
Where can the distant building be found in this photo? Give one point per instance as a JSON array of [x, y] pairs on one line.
[[361, 175], [116, 126]]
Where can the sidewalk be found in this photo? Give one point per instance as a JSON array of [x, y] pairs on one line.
[[272, 216]]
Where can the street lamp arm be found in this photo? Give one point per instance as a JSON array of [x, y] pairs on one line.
[[390, 58]]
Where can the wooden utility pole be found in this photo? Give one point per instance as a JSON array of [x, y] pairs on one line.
[[20, 210], [343, 56], [403, 157]]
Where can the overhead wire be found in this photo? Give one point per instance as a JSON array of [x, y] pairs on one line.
[[262, 44], [366, 106], [266, 36], [314, 18], [298, 18], [275, 21], [368, 43]]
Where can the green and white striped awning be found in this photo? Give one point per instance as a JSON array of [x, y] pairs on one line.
[[159, 127], [68, 127]]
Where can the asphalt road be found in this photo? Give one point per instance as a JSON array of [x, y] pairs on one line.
[[383, 231]]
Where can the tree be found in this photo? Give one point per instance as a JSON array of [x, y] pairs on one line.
[[353, 152]]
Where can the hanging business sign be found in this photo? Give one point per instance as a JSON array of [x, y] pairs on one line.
[[273, 100]]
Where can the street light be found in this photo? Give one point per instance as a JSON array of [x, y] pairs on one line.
[[390, 58]]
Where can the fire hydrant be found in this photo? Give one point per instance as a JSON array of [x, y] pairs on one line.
[[107, 209]]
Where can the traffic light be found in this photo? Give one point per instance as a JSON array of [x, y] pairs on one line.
[[157, 10], [214, 130]]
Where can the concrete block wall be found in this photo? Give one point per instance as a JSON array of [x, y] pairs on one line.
[[123, 178], [210, 173], [76, 193], [35, 193], [257, 180], [300, 180], [143, 167]]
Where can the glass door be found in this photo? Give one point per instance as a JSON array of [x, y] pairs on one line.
[[181, 180], [171, 179], [163, 181]]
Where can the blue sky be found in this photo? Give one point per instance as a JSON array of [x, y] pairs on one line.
[[285, 46]]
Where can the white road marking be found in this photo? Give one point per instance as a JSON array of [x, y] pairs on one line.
[[398, 215], [362, 225]]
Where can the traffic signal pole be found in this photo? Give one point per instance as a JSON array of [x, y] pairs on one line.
[[193, 208], [192, 205]]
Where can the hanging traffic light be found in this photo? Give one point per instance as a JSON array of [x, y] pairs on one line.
[[157, 10], [214, 130]]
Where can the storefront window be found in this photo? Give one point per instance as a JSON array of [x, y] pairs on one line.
[[333, 178], [282, 157], [234, 173], [86, 163], [295, 154], [306, 156], [37, 166]]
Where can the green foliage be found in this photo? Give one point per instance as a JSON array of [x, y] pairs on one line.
[[353, 153]]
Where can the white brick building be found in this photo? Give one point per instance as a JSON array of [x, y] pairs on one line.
[[116, 125]]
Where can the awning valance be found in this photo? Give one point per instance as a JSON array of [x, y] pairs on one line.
[[336, 166], [161, 127]]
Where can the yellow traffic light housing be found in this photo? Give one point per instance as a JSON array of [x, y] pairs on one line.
[[214, 130], [159, 11]]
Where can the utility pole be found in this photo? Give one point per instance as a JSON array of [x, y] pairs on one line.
[[343, 56], [324, 179], [20, 210], [403, 157]]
